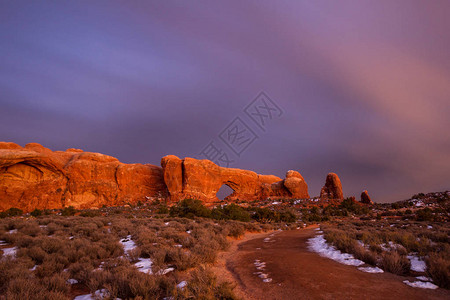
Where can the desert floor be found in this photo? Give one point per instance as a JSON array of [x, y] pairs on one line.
[[297, 273]]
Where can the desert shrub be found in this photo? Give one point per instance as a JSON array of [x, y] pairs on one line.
[[90, 213], [35, 253], [263, 215], [340, 240], [395, 263], [31, 229], [352, 206], [48, 268], [123, 281], [287, 215], [12, 212], [68, 211], [204, 285], [27, 288], [235, 230], [36, 213], [266, 215], [56, 282], [424, 214], [438, 268], [81, 271], [10, 269], [190, 208], [230, 212], [366, 256], [85, 229], [162, 209]]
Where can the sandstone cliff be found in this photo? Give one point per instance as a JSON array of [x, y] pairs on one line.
[[36, 177]]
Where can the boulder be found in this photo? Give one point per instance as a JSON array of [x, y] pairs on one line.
[[365, 198], [296, 185], [332, 188]]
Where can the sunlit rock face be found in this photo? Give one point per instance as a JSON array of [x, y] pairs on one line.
[[332, 188], [202, 179], [36, 177]]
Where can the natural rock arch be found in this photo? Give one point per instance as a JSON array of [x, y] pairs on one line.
[[202, 179]]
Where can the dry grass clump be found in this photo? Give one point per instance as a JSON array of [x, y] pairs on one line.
[[395, 263], [347, 243], [204, 285], [438, 267]]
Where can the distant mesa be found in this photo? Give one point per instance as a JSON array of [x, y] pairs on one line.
[[37, 177]]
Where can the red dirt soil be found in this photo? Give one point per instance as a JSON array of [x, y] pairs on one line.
[[298, 273]]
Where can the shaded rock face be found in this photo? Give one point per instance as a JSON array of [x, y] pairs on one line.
[[202, 179], [332, 188], [365, 198], [36, 177]]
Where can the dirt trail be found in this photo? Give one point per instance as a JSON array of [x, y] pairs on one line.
[[297, 273]]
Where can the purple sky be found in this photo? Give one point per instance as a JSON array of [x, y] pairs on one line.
[[364, 85]]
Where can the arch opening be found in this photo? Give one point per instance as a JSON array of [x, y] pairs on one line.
[[224, 192]]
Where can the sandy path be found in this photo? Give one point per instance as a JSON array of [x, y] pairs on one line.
[[300, 274]]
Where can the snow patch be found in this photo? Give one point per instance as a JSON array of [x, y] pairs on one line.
[[371, 269], [10, 251], [72, 281], [127, 244], [421, 284], [165, 271], [423, 278], [319, 245], [144, 265], [182, 285], [97, 294], [417, 264]]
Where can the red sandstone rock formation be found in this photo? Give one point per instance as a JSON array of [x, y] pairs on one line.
[[332, 188], [36, 177], [365, 198], [295, 183], [202, 179]]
